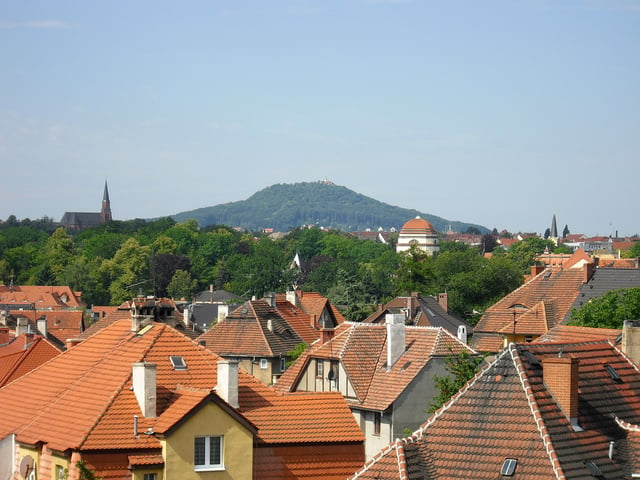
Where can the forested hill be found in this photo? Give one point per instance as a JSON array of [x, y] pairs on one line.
[[285, 206]]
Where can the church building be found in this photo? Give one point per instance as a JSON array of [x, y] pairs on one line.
[[82, 220]]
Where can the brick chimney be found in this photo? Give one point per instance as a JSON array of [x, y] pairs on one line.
[[536, 270], [227, 387], [396, 337], [144, 387], [326, 334], [631, 340], [560, 377], [443, 300], [5, 336], [588, 270]]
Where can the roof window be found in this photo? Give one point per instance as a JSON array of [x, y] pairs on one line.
[[594, 470], [614, 375], [508, 467], [178, 362]]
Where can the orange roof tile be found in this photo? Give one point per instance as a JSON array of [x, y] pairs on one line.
[[22, 355], [572, 333], [42, 297]]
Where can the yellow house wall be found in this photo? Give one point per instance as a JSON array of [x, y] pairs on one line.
[[45, 463], [209, 420]]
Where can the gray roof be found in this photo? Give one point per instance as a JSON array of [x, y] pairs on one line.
[[602, 281], [218, 296]]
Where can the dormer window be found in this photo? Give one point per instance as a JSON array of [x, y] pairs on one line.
[[178, 362], [508, 467]]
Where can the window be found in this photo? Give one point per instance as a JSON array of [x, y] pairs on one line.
[[319, 368], [612, 372], [377, 420], [263, 363], [283, 364], [178, 362], [60, 473], [150, 476], [208, 453], [508, 467]]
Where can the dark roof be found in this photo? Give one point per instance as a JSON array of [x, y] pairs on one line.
[[80, 219], [218, 296], [602, 281]]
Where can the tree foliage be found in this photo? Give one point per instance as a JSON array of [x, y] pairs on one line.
[[461, 368], [610, 310]]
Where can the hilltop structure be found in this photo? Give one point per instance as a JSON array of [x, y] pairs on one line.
[[82, 220]]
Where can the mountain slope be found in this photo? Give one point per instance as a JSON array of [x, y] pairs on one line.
[[286, 206]]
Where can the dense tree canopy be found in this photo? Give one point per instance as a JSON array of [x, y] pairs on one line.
[[610, 310]]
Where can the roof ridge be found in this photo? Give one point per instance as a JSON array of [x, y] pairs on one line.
[[535, 411], [117, 391], [402, 460], [373, 460]]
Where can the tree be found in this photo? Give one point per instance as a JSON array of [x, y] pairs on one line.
[[547, 233], [463, 367], [610, 310], [565, 231], [295, 353], [182, 285], [489, 243]]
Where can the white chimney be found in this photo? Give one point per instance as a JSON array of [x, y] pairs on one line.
[[462, 333], [186, 316], [144, 387], [396, 337], [227, 387], [292, 297], [21, 326], [42, 326], [223, 311], [270, 298]]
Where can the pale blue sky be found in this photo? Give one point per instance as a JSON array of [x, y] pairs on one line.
[[497, 112]]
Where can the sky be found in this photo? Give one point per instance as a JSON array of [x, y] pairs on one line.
[[494, 112]]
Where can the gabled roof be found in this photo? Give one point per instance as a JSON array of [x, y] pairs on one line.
[[362, 351], [423, 311], [83, 399], [314, 304], [301, 322], [42, 297], [507, 412], [253, 329], [23, 354], [557, 288]]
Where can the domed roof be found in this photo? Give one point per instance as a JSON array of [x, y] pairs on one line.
[[418, 225]]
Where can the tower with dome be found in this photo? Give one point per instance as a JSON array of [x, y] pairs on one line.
[[418, 232]]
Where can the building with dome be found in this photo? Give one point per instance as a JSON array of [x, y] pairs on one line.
[[419, 232]]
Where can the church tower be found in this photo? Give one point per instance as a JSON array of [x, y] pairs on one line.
[[105, 213], [554, 230]]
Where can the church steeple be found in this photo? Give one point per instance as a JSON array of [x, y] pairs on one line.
[[554, 227], [105, 213]]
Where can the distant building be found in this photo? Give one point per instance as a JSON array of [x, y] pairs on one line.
[[420, 233], [82, 220]]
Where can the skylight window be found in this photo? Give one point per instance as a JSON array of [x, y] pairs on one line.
[[508, 467], [178, 362], [593, 469], [612, 371]]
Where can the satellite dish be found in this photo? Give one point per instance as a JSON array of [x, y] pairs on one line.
[[27, 466]]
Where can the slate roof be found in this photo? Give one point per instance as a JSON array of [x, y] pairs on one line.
[[602, 281], [83, 400], [506, 412], [253, 329], [424, 311], [362, 351], [218, 296]]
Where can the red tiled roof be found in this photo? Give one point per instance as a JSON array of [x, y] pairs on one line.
[[362, 351], [42, 297], [571, 333], [83, 399], [22, 355], [314, 304], [507, 411]]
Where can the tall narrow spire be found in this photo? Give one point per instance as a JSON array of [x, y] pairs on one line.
[[554, 227], [105, 213]]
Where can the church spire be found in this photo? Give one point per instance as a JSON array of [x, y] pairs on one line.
[[105, 213], [554, 227]]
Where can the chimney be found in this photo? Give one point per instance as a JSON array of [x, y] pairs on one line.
[[5, 336], [292, 297], [631, 340], [223, 311], [28, 338], [443, 300], [72, 342], [3, 317], [144, 387], [227, 387], [270, 325], [42, 326], [396, 337], [270, 298], [462, 333], [560, 377], [588, 270], [536, 270], [186, 316], [21, 326], [326, 334], [139, 321]]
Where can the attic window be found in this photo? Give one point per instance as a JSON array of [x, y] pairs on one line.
[[508, 467], [614, 375], [178, 362]]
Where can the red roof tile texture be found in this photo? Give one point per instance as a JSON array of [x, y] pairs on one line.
[[42, 297]]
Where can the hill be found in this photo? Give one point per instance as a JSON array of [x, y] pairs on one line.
[[286, 206]]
